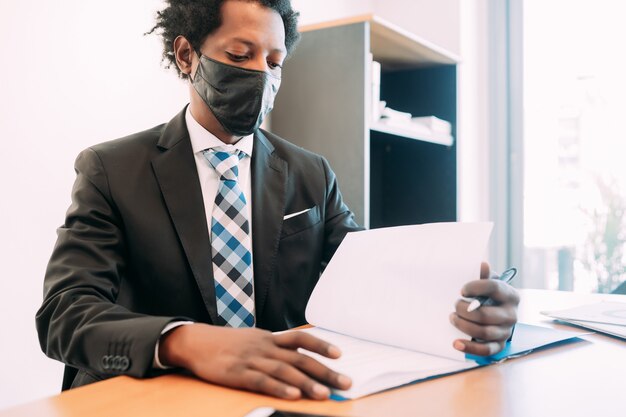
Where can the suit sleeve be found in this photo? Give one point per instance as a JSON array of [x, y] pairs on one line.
[[79, 322], [339, 220]]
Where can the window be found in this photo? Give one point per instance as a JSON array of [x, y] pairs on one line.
[[574, 141]]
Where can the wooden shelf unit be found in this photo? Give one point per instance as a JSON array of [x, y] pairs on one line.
[[388, 176]]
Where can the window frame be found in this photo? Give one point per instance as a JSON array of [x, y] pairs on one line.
[[506, 135]]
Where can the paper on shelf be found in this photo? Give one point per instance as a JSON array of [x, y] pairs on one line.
[[403, 126], [433, 123], [412, 131], [395, 115]]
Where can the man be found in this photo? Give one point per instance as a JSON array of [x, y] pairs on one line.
[[157, 266]]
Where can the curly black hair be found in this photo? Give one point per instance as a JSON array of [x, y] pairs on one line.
[[196, 19]]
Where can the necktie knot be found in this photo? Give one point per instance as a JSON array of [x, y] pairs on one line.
[[225, 162]]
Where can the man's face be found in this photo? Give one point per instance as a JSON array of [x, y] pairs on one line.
[[251, 36]]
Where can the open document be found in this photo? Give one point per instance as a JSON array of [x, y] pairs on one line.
[[385, 298]]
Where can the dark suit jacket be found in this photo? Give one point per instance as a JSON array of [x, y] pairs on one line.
[[134, 253]]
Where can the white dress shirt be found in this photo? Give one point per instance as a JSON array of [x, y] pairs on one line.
[[202, 139]]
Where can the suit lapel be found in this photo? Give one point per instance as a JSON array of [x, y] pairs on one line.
[[269, 184], [177, 175]]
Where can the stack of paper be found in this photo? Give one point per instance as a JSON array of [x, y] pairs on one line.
[[606, 317], [434, 124], [427, 128]]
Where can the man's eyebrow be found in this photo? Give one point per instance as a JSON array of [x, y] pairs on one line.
[[253, 45]]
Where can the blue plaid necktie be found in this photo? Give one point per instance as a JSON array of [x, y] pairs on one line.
[[231, 243]]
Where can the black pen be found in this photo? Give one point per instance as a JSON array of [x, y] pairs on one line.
[[477, 302]]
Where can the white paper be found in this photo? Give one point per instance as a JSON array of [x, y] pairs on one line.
[[398, 286], [604, 312], [606, 317], [374, 367], [612, 329]]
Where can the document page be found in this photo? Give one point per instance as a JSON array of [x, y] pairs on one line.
[[398, 285], [606, 317], [604, 312], [374, 367]]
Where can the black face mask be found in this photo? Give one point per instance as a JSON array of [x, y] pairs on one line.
[[239, 98]]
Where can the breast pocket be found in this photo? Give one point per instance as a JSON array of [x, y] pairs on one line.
[[301, 222]]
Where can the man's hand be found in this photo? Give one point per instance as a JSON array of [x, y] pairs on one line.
[[491, 325], [253, 359]]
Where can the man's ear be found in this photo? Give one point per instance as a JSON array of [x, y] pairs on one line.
[[184, 54]]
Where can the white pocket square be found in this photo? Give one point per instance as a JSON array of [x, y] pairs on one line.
[[289, 216]]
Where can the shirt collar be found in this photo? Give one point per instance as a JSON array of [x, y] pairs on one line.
[[202, 139]]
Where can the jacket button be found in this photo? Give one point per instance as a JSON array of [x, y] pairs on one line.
[[106, 362], [124, 363], [115, 363]]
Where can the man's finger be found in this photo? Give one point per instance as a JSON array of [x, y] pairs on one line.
[[295, 340], [498, 291], [491, 315], [290, 375], [256, 381], [488, 333], [478, 348], [315, 369], [485, 271]]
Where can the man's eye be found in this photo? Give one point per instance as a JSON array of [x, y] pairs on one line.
[[273, 65], [236, 58]]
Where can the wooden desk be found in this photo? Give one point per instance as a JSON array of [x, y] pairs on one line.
[[581, 379]]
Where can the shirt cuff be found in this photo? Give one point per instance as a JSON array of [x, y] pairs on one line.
[[156, 363]]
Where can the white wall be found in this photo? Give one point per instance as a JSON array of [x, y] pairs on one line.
[[435, 20], [315, 11], [75, 73]]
